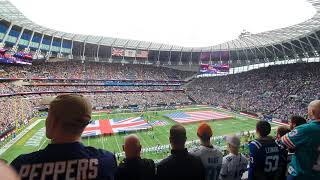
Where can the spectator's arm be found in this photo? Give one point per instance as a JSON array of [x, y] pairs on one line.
[[253, 160], [295, 138], [224, 169]]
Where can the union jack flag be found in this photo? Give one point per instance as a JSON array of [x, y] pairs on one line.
[[117, 52], [113, 126], [195, 116]]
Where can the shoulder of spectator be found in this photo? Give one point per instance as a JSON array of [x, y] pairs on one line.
[[194, 150], [163, 162], [255, 144], [25, 158]]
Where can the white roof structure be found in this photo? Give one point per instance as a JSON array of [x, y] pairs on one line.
[[10, 13]]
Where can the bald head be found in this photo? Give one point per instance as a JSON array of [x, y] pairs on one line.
[[6, 172], [178, 136], [314, 110], [132, 146]]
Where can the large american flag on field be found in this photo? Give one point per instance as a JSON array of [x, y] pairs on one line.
[[113, 126], [195, 116]]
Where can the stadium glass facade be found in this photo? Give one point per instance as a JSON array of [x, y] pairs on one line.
[[296, 43]]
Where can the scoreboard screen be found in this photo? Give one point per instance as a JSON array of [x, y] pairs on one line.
[[214, 68]]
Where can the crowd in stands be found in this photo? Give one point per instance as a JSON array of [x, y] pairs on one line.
[[18, 110], [9, 88], [282, 91], [139, 98], [93, 70]]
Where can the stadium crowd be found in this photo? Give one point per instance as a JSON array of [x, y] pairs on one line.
[[66, 157], [93, 70], [282, 91], [18, 110]]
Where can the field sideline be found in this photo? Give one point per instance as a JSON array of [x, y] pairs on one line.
[[35, 139]]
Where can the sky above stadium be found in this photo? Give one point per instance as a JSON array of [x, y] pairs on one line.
[[189, 23]]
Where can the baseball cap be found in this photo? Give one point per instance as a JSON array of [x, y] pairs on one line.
[[71, 109], [233, 140], [204, 130]]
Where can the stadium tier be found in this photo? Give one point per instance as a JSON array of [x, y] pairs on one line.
[[279, 91]]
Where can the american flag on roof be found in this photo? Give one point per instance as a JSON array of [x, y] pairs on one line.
[[196, 116], [113, 126]]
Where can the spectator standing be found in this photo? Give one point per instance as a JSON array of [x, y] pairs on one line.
[[66, 157], [304, 139], [296, 121], [210, 156], [180, 165], [234, 164], [264, 155], [133, 167], [281, 131]]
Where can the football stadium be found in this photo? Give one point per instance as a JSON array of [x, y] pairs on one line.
[[142, 90]]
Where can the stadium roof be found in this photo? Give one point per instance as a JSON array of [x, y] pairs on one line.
[[10, 13]]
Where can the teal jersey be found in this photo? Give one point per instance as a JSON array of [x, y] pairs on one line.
[[305, 139]]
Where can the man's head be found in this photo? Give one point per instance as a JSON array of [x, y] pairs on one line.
[[3, 161], [314, 110], [281, 131], [132, 147], [68, 116], [177, 137], [233, 144], [7, 173], [296, 121], [263, 128], [204, 133]]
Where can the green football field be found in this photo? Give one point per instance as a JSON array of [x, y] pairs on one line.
[[35, 138]]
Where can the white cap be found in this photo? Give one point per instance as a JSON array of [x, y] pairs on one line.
[[233, 140]]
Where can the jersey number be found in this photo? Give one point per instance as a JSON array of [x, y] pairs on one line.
[[271, 163], [316, 167]]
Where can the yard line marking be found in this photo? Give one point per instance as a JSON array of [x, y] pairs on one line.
[[19, 136], [42, 144], [117, 143]]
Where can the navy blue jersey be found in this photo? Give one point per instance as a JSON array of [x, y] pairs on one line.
[[265, 159], [66, 161]]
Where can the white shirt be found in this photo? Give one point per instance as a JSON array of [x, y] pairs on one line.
[[233, 167], [211, 158]]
